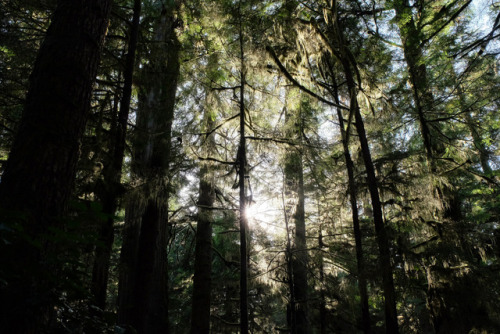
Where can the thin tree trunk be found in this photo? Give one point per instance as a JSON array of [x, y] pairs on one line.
[[484, 155], [200, 311], [39, 174], [242, 165], [300, 257], [358, 237], [289, 264], [297, 257], [322, 294], [113, 172], [241, 161], [380, 229]]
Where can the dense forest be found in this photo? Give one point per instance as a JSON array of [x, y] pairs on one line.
[[244, 166]]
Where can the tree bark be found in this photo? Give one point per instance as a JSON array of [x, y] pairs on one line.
[[294, 175], [300, 260], [113, 173], [289, 267], [381, 233], [143, 275], [482, 150], [241, 161], [39, 174], [242, 166], [380, 230], [358, 237], [391, 319], [411, 37], [200, 311], [322, 282], [413, 52]]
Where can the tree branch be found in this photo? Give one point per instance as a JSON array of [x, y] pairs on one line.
[[454, 16], [296, 83]]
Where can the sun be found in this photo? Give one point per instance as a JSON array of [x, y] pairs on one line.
[[264, 213]]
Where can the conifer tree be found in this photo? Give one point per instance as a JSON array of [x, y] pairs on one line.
[[34, 196], [143, 278]]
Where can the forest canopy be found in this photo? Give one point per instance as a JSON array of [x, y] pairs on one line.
[[231, 166]]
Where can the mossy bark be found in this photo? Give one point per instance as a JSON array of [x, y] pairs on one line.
[[143, 300]]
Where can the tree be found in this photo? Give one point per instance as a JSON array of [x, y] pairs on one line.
[[113, 171], [241, 163], [332, 33], [200, 311], [35, 196], [143, 278], [353, 199], [295, 123], [242, 169]]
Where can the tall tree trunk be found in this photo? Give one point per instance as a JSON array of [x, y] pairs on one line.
[[484, 154], [241, 162], [143, 275], [38, 176], [113, 172], [200, 310], [322, 282], [300, 259], [391, 319], [358, 238], [289, 263], [411, 37], [294, 175], [347, 61]]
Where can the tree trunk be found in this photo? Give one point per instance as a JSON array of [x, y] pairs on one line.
[[322, 282], [482, 150], [391, 319], [289, 267], [294, 190], [113, 173], [380, 229], [38, 176], [484, 154], [242, 165], [143, 276], [295, 183], [300, 259], [200, 311], [413, 52], [358, 238], [411, 37]]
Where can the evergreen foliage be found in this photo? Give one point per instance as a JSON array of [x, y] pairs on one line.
[[276, 166]]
